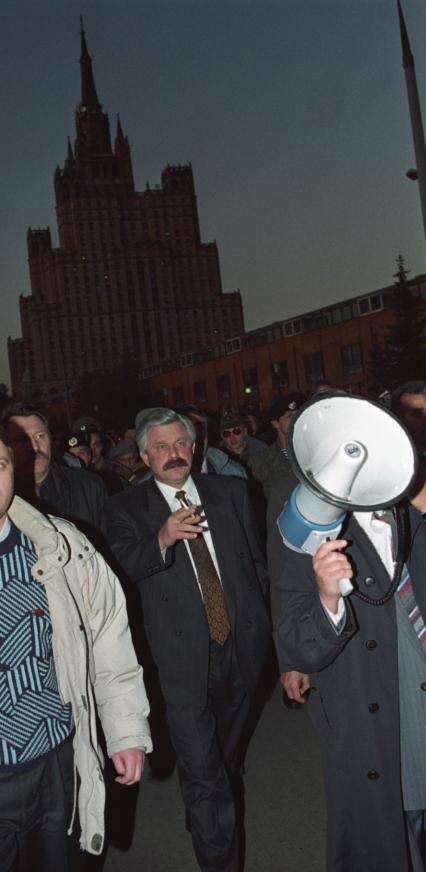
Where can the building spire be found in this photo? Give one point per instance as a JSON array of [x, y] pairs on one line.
[[415, 112], [89, 96]]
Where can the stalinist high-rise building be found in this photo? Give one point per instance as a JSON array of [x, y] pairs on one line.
[[130, 276]]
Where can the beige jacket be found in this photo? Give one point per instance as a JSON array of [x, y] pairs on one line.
[[95, 661]]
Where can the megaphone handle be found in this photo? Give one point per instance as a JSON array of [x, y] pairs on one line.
[[346, 586]]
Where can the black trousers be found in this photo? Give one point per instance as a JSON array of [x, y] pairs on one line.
[[417, 838], [205, 740], [35, 811]]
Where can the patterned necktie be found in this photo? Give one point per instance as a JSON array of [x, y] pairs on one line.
[[208, 579], [405, 588]]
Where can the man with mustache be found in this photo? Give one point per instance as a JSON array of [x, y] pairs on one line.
[[50, 485], [189, 543]]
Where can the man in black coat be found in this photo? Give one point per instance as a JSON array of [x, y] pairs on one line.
[[368, 680], [45, 481], [208, 658]]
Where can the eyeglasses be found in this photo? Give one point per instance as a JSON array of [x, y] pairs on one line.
[[234, 431]]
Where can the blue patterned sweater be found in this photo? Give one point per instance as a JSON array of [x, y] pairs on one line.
[[33, 719]]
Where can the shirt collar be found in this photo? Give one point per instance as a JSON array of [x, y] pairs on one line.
[[169, 491], [5, 530]]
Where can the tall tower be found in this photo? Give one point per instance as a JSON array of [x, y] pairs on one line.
[[131, 275], [415, 113]]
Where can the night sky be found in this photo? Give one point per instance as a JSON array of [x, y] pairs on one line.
[[293, 114]]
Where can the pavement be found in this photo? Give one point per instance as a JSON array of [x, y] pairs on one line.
[[284, 798]]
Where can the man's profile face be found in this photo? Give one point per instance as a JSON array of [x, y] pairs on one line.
[[30, 440], [6, 482], [283, 423], [96, 445], [169, 453], [413, 415]]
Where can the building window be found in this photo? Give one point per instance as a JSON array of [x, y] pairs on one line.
[[250, 380], [279, 371], [224, 386], [200, 392], [314, 367], [178, 395], [352, 358]]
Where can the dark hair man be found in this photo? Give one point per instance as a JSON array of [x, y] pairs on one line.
[[408, 402], [189, 543], [65, 648], [367, 668], [52, 486]]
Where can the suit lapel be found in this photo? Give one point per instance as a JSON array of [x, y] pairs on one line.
[[158, 507]]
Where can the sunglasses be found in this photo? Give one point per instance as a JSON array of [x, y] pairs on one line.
[[234, 431]]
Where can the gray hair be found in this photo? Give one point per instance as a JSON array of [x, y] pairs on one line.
[[158, 417]]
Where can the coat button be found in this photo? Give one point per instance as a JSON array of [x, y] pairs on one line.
[[369, 580], [371, 645], [423, 685], [373, 708], [164, 598], [39, 572], [178, 632], [373, 775], [39, 613], [96, 843]]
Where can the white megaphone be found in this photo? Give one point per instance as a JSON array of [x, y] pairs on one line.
[[350, 454]]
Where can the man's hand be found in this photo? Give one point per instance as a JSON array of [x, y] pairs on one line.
[[129, 765], [295, 684], [330, 566], [182, 524]]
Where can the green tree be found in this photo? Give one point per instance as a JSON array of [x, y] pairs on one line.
[[377, 366], [405, 339]]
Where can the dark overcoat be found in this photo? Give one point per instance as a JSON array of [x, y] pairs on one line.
[[354, 700], [174, 616]]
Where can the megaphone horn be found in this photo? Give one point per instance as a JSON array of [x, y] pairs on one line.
[[349, 453]]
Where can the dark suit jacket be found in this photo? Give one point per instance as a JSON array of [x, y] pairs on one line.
[[354, 701], [174, 616]]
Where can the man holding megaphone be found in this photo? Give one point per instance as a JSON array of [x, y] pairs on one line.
[[348, 611]]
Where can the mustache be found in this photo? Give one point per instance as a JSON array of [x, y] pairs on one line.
[[171, 464], [39, 453]]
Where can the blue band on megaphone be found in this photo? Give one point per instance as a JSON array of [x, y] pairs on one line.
[[295, 529]]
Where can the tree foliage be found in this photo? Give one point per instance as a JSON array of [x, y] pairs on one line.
[[401, 356]]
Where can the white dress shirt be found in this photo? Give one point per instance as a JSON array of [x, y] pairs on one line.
[[380, 535], [192, 495]]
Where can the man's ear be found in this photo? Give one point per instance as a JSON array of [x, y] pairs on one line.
[[276, 424], [144, 456], [193, 446]]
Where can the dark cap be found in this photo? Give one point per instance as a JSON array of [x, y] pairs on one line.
[[122, 448], [287, 403], [79, 440], [231, 419], [88, 425]]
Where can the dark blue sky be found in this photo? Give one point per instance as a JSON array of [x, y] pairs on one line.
[[293, 114]]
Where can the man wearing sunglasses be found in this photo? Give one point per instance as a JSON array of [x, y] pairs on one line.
[[235, 439]]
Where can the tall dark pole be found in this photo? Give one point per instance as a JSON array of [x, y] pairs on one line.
[[415, 113]]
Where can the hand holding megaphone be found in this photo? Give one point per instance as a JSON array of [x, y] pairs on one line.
[[332, 567]]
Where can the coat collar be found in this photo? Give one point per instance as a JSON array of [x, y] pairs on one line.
[[49, 542]]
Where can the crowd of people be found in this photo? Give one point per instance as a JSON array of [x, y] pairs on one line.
[[181, 506]]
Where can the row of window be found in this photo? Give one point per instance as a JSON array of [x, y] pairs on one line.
[[352, 363]]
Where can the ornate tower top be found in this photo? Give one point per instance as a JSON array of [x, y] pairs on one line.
[[93, 134], [89, 97]]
